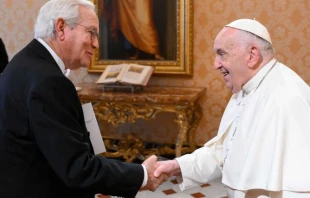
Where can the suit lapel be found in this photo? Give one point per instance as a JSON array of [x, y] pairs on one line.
[[42, 52]]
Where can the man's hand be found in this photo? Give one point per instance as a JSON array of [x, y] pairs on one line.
[[168, 168], [151, 165]]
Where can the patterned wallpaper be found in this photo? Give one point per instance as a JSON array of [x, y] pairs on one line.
[[287, 20]]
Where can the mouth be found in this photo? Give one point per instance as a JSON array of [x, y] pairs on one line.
[[225, 73], [90, 54]]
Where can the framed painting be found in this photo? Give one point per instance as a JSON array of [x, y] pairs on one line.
[[147, 32]]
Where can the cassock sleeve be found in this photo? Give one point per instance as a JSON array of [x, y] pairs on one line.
[[201, 166]]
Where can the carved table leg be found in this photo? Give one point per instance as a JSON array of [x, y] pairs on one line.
[[183, 122], [197, 114], [188, 120]]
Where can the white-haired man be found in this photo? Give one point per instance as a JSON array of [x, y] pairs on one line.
[[44, 145], [262, 146]]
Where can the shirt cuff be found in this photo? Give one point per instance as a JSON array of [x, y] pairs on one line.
[[145, 177]]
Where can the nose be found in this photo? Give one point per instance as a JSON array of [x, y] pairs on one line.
[[95, 42], [217, 64]]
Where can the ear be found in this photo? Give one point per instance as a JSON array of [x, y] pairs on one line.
[[254, 57], [60, 25]]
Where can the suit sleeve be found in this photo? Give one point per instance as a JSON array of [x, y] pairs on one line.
[[57, 123]]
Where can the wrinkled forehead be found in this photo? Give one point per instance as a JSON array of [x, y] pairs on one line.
[[225, 39], [88, 16]]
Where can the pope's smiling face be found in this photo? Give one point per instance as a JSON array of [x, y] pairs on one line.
[[231, 59]]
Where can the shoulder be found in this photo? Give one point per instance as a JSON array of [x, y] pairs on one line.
[[53, 90], [283, 83], [54, 84]]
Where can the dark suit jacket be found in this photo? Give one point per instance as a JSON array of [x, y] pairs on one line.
[[3, 56], [45, 149]]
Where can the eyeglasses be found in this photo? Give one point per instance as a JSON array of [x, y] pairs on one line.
[[92, 31]]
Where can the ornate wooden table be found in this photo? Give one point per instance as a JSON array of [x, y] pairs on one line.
[[120, 107]]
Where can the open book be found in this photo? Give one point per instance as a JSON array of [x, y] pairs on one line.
[[127, 74]]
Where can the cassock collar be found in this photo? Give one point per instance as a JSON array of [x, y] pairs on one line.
[[254, 82], [58, 60], [238, 97]]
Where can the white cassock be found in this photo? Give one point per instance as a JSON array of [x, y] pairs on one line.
[[263, 140]]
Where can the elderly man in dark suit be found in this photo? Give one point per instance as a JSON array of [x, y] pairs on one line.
[[3, 56], [45, 148]]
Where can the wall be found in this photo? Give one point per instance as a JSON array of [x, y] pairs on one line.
[[287, 20]]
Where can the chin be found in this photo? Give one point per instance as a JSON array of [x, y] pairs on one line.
[[85, 65], [229, 87]]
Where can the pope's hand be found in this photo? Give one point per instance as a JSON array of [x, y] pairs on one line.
[[168, 168]]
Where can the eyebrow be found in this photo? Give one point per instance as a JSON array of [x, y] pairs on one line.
[[93, 28]]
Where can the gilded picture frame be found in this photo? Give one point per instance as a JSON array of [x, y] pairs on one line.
[[168, 49]]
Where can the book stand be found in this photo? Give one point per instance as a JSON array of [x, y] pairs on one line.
[[122, 87]]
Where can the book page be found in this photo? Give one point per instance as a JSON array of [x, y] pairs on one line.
[[112, 73], [137, 74]]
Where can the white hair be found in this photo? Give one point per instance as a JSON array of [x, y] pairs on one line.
[[246, 38], [54, 9]]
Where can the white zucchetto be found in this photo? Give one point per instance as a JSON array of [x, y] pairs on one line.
[[251, 26]]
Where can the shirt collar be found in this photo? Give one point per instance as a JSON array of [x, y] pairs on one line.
[[58, 60], [254, 82]]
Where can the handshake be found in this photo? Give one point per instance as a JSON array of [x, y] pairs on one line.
[[159, 171]]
